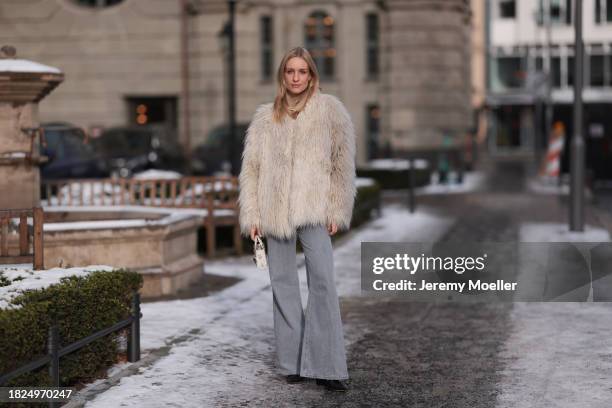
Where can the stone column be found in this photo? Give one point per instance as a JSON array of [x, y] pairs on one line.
[[426, 72], [22, 85]]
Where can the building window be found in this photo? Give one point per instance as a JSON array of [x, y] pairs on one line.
[[596, 63], [266, 47], [97, 3], [562, 69], [555, 71], [608, 67], [373, 130], [507, 8], [153, 110], [560, 12], [571, 63], [603, 11], [508, 126], [509, 72], [539, 64], [319, 39], [372, 45]]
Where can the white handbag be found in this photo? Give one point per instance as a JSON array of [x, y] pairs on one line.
[[260, 253]]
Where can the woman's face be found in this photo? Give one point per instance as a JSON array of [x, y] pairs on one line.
[[297, 75]]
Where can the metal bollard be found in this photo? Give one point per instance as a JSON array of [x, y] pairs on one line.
[[411, 200], [461, 166], [134, 335], [53, 350]]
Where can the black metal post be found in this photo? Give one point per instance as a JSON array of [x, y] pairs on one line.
[[460, 165], [577, 144], [185, 94], [231, 64], [538, 134], [134, 335], [411, 200], [53, 350], [549, 107]]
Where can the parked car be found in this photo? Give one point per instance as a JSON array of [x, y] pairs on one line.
[[69, 156], [131, 149], [212, 156]]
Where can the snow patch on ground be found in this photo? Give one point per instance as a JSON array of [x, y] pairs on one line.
[[163, 322], [542, 185], [559, 232], [364, 182], [472, 181], [557, 354], [395, 225]]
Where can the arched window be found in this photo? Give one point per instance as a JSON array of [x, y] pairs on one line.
[[319, 40], [97, 3]]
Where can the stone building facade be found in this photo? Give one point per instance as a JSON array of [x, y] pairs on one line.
[[402, 67], [479, 24]]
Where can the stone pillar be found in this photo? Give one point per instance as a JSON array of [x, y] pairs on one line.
[[22, 85], [427, 72], [19, 179]]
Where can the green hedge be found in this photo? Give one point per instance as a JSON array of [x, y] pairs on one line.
[[81, 305], [390, 179]]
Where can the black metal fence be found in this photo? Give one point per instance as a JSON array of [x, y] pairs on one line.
[[55, 351]]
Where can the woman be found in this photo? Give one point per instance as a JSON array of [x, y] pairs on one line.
[[297, 181]]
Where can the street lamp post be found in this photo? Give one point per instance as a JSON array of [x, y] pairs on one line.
[[548, 109], [577, 145], [227, 42], [231, 63], [185, 95]]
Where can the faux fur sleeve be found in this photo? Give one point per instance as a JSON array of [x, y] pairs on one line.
[[342, 191], [249, 173]]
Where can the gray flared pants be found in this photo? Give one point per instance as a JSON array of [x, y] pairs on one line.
[[309, 343]]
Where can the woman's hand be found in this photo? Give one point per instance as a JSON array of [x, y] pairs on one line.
[[254, 232], [332, 228]]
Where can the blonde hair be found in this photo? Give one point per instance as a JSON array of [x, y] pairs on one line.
[[280, 102]]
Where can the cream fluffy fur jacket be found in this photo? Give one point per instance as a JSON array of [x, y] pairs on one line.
[[299, 171]]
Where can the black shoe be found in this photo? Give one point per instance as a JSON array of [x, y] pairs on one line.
[[333, 385], [294, 378]]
